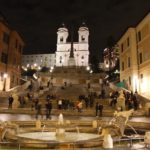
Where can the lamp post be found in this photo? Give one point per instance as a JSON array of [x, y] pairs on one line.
[[5, 77]]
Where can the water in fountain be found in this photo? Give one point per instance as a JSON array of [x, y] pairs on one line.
[[78, 131], [43, 128], [60, 119], [132, 129], [60, 131]]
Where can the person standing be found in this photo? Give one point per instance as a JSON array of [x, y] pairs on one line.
[[39, 110], [10, 101], [97, 108], [59, 104], [100, 107], [48, 109]]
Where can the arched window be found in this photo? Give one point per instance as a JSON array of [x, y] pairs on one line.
[[82, 38], [61, 39]]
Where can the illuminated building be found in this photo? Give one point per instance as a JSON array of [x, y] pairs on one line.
[[11, 46], [38, 60], [80, 48], [134, 52]]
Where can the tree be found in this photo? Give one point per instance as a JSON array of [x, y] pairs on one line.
[[94, 64], [45, 69], [29, 72]]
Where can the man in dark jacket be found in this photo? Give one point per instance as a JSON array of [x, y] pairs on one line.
[[48, 106]]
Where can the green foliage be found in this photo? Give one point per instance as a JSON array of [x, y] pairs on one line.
[[94, 64], [44, 69], [29, 72]]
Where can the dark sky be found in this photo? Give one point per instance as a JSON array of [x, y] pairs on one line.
[[38, 20]]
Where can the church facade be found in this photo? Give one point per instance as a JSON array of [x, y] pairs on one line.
[[79, 50]]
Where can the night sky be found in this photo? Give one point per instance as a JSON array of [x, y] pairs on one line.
[[38, 20]]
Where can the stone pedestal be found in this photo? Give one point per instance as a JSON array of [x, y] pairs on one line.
[[38, 124], [108, 141], [147, 109], [147, 138], [94, 124]]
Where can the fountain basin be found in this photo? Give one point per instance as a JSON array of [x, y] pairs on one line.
[[51, 136], [46, 139]]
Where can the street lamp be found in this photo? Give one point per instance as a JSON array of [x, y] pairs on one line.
[[4, 76]]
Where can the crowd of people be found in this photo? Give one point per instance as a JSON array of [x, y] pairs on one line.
[[122, 100]]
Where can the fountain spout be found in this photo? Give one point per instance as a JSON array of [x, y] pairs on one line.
[[43, 128], [61, 119]]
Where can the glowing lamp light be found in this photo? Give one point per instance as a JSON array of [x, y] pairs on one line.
[[5, 75], [25, 69], [87, 68], [91, 71], [34, 75], [144, 86], [35, 65], [135, 83], [39, 68], [107, 66], [28, 65]]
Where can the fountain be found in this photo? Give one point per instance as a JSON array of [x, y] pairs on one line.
[[60, 130], [60, 138]]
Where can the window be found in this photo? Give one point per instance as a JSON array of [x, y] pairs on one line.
[[139, 36], [4, 57], [140, 58], [128, 61], [6, 37], [122, 47], [122, 66], [61, 39], [128, 41], [83, 38]]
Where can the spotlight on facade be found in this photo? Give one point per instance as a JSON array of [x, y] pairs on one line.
[[5, 75], [87, 68], [52, 67], [28, 65], [35, 65], [91, 71], [39, 68], [34, 75]]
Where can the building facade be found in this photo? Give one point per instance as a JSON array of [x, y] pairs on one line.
[[134, 56], [11, 46], [38, 60], [80, 49]]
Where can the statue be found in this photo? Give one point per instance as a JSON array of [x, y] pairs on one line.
[[8, 127], [117, 125]]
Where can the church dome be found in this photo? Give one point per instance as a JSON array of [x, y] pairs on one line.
[[62, 28], [83, 27]]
